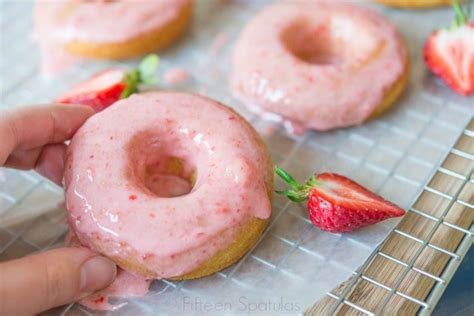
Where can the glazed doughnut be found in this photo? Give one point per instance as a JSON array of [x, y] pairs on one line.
[[111, 29], [162, 191], [319, 65], [415, 4]]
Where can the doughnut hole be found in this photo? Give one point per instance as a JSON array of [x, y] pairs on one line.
[[158, 169], [337, 41], [310, 43], [167, 177]]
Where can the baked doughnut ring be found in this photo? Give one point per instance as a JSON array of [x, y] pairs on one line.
[[111, 29], [165, 193], [319, 65]]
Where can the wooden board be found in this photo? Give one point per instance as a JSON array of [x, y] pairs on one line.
[[411, 268]]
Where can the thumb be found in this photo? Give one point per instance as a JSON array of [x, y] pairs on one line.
[[39, 282]]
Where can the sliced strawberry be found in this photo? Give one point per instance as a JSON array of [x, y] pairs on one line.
[[449, 53], [107, 87], [338, 204], [99, 92]]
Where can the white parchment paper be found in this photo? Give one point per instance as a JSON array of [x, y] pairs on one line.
[[294, 264]]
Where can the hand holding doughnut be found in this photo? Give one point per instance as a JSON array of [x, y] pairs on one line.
[[33, 137]]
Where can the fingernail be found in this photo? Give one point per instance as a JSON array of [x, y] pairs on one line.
[[97, 273]]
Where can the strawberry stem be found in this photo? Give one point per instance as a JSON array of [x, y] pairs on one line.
[[298, 192], [287, 178]]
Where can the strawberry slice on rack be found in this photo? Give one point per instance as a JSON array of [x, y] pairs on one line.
[[338, 204], [449, 53], [110, 85]]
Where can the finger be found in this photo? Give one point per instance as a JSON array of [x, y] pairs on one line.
[[35, 126], [36, 283], [51, 162], [48, 161]]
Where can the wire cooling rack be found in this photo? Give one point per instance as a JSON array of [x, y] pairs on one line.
[[419, 273], [395, 155]]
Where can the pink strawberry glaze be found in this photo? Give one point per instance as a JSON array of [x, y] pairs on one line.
[[112, 211], [124, 285], [320, 64]]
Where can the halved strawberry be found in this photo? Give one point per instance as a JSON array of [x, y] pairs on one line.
[[338, 204], [99, 92], [449, 53], [108, 86]]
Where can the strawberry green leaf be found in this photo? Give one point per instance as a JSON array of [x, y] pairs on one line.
[[147, 69], [145, 73], [461, 16]]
